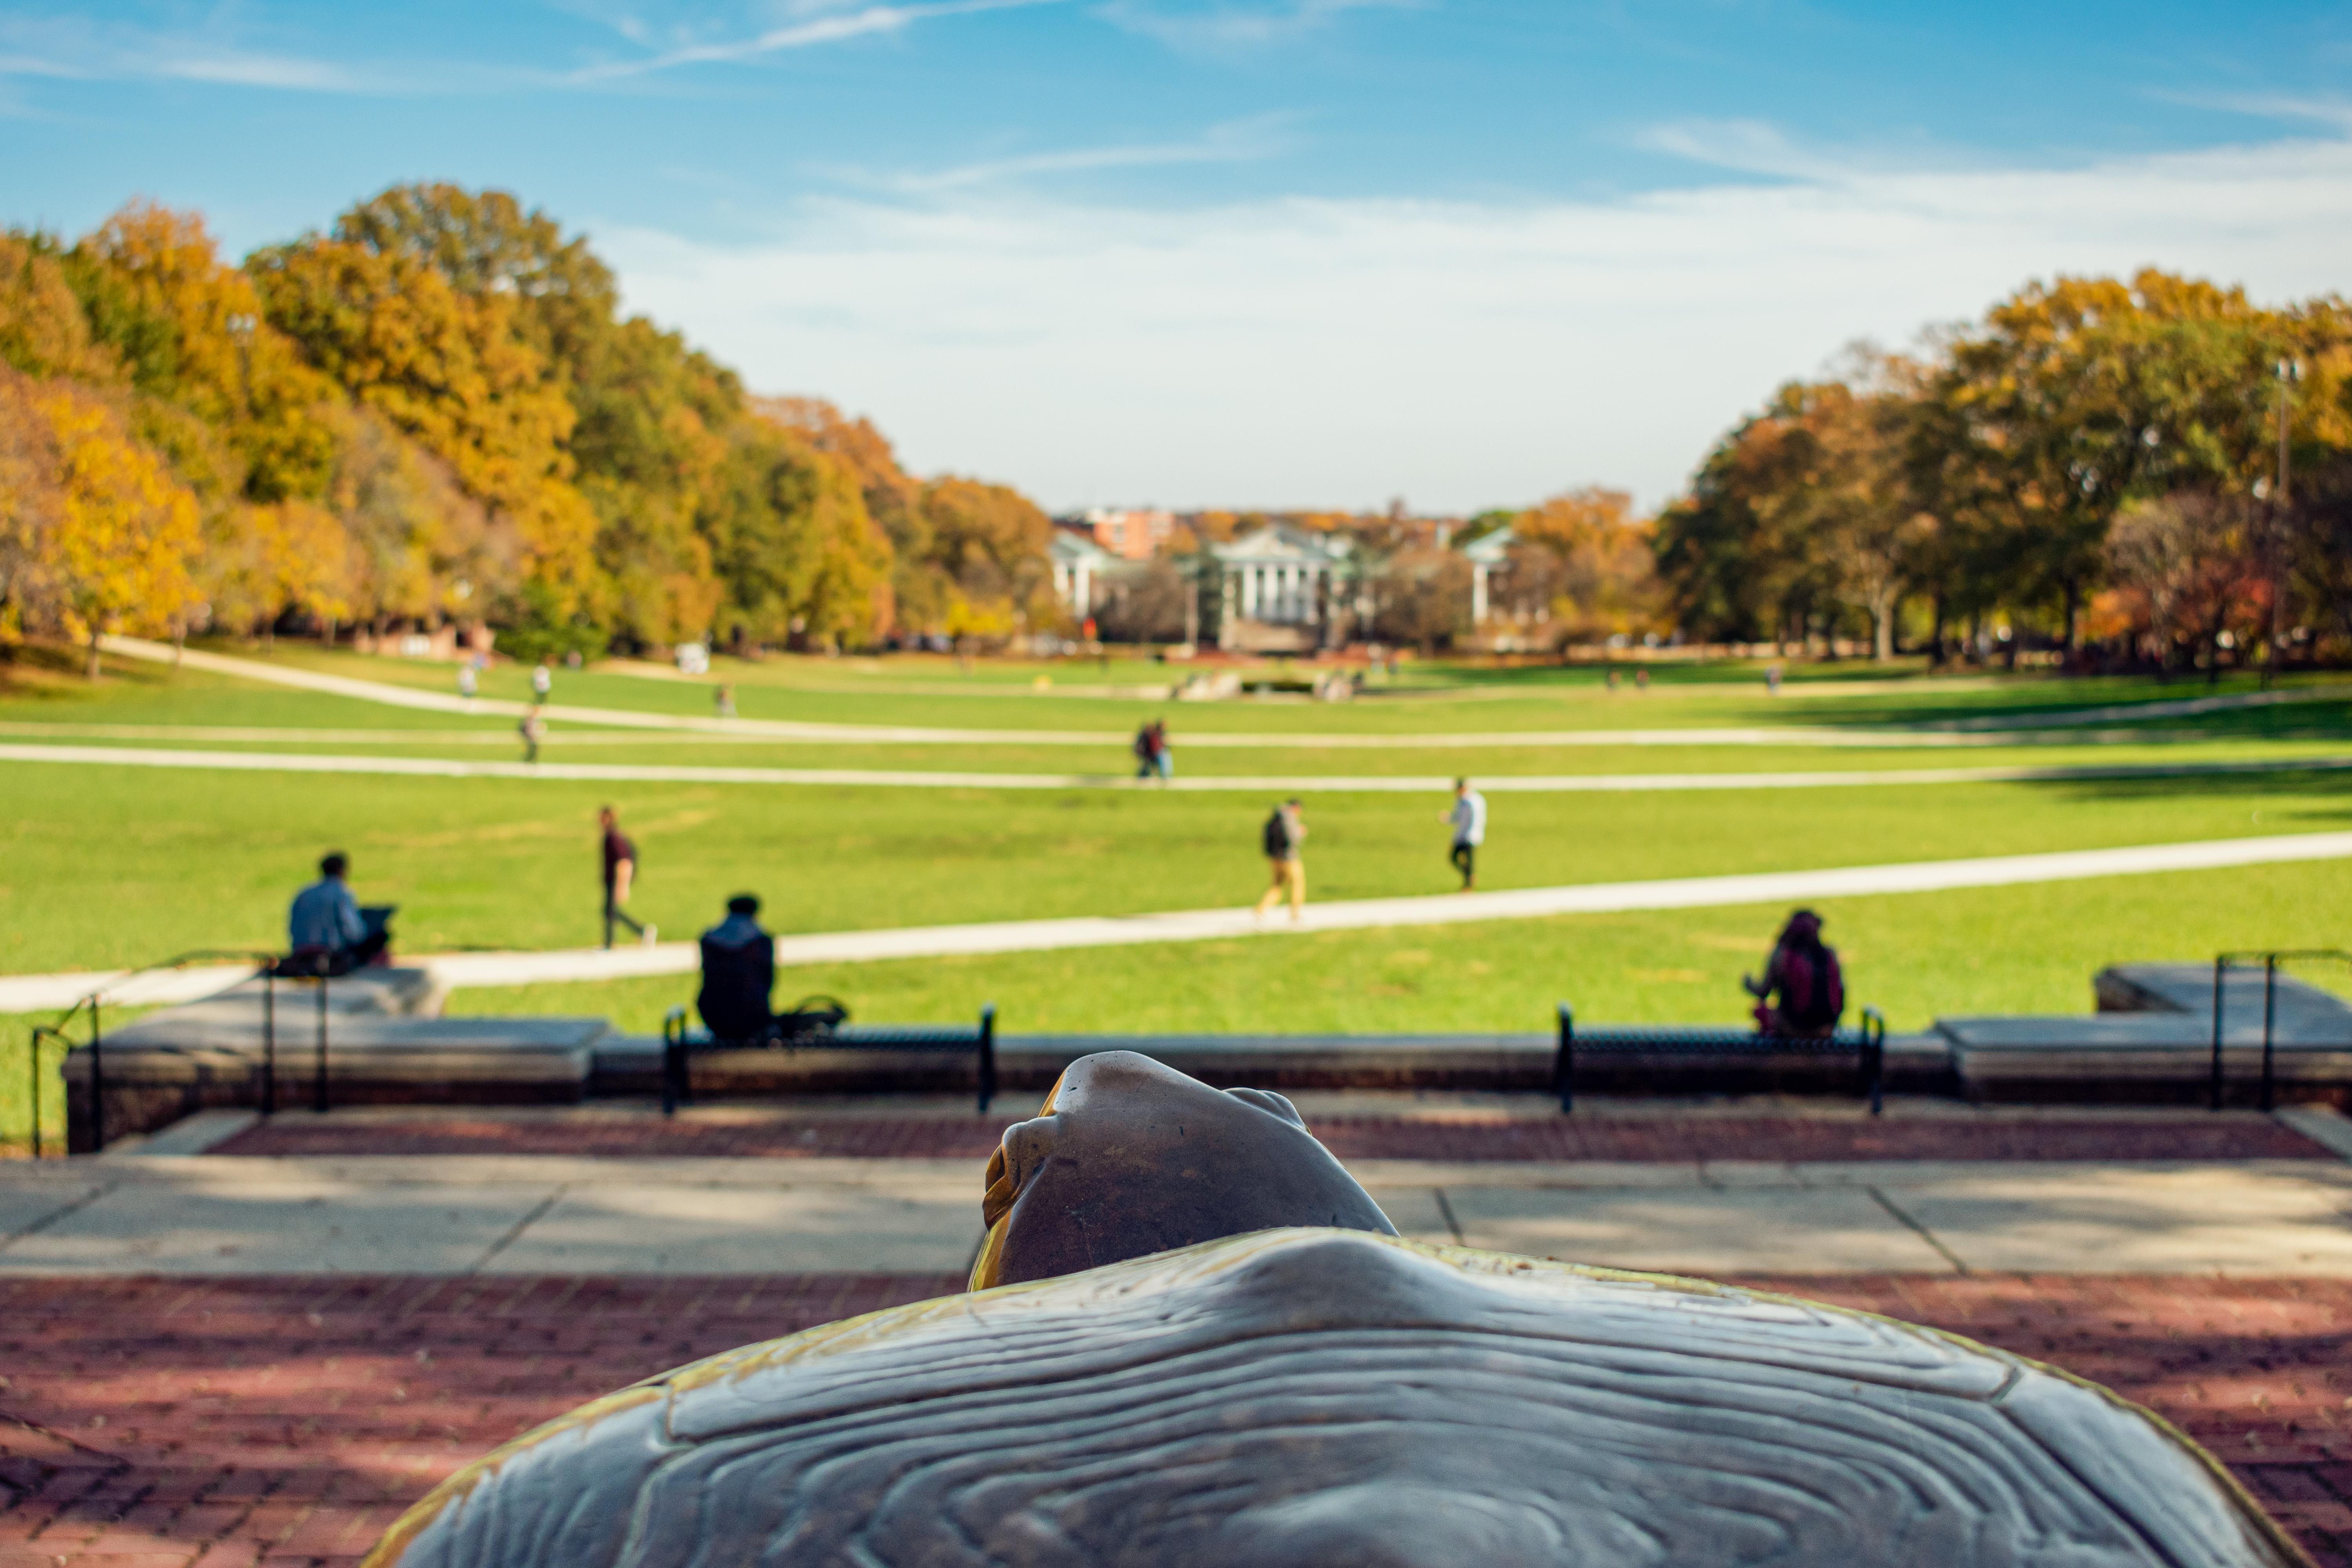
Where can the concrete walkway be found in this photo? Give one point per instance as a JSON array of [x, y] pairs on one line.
[[148, 1214], [27, 992], [1269, 784]]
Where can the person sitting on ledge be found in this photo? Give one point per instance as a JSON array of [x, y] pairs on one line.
[[1804, 971], [739, 971], [325, 923]]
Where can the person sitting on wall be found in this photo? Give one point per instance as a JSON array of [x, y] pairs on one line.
[[1804, 971], [325, 927], [739, 971]]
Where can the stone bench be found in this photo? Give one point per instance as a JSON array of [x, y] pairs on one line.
[[1652, 1045], [727, 1066]]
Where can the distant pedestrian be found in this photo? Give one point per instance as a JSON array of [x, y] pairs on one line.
[[1641, 679], [1164, 756], [1141, 747], [533, 730], [726, 702], [1285, 838], [466, 683], [1613, 678], [620, 871], [1772, 681], [542, 681], [1468, 817]]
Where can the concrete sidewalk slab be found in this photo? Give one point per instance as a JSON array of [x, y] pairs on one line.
[[290, 1224], [615, 1229], [542, 1213], [2208, 1221], [1703, 1230]]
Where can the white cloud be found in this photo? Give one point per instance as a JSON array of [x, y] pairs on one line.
[[1222, 29], [822, 25], [1238, 141], [75, 48], [1305, 351]]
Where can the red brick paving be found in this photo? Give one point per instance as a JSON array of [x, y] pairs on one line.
[[1663, 1138], [228, 1423]]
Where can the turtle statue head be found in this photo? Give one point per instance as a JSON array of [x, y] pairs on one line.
[[1130, 1157]]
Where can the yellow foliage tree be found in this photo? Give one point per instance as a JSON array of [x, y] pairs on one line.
[[97, 535], [450, 369], [195, 341], [1588, 559]]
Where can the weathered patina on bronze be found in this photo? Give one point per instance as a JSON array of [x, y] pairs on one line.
[[1329, 1397]]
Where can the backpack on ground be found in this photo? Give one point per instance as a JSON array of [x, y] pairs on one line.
[[1813, 991], [1277, 836]]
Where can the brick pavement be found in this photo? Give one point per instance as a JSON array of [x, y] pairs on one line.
[[1458, 1137], [227, 1422]]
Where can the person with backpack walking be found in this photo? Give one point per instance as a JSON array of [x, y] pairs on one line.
[[1284, 838], [1468, 818], [1804, 971]]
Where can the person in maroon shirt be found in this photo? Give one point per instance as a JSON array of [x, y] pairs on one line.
[[620, 871]]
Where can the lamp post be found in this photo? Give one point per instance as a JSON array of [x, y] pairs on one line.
[[2290, 371]]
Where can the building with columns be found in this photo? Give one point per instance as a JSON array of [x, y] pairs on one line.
[[1487, 554], [1286, 589], [1079, 566]]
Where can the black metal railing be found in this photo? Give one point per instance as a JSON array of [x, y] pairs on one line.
[[94, 1005], [2223, 964]]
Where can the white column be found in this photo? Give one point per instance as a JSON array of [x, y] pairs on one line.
[[1083, 594], [1249, 592], [1477, 593]]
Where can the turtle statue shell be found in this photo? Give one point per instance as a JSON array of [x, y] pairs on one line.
[[1339, 1398]]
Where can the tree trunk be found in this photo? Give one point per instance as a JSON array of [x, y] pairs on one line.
[[2074, 618], [1881, 627], [90, 669]]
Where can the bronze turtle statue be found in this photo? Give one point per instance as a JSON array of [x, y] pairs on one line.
[[1143, 1389]]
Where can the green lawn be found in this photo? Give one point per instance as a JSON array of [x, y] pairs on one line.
[[107, 865], [115, 866], [1916, 956]]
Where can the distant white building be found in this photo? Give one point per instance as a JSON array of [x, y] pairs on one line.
[[1487, 554], [1286, 589], [1079, 564]]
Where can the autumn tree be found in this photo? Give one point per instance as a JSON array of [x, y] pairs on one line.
[[1588, 562], [448, 369], [988, 547], [2192, 559], [95, 534]]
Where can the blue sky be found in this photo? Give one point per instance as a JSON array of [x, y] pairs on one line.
[[1269, 252]]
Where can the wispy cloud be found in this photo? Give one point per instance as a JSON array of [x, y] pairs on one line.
[[72, 48], [825, 26], [1225, 28], [1297, 351], [1236, 141]]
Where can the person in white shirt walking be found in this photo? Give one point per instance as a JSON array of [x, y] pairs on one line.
[[1468, 818]]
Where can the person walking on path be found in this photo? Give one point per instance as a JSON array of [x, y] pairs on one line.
[[1144, 767], [1159, 759], [1468, 817], [1286, 854], [533, 730], [466, 683], [542, 681], [620, 871]]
